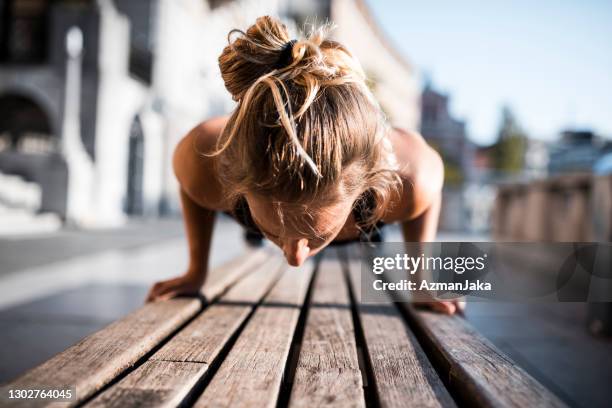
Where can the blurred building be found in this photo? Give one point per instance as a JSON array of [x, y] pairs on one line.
[[94, 95], [537, 159], [446, 134], [575, 151], [603, 165], [393, 78], [75, 80], [461, 205]]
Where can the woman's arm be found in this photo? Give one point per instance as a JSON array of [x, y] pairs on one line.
[[422, 173], [424, 227], [199, 223], [200, 195]]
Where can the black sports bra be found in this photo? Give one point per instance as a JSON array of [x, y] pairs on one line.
[[362, 208]]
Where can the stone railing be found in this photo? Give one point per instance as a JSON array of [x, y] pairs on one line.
[[568, 208]]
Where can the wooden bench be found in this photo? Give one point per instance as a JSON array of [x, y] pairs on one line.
[[276, 336]]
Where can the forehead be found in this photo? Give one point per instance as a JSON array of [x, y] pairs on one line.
[[277, 217]]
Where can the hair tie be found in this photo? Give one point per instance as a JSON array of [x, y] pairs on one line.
[[286, 55]]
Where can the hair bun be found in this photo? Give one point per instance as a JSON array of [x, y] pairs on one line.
[[252, 54], [266, 47]]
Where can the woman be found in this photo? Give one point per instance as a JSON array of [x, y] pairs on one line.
[[305, 158]]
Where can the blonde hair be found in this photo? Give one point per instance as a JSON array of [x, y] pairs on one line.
[[309, 132]]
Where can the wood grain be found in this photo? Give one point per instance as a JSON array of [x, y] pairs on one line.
[[100, 357], [96, 360], [327, 372], [221, 278], [402, 373], [478, 374], [154, 384], [251, 374], [194, 348]]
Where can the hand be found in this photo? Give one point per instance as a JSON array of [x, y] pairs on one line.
[[448, 307], [188, 284]]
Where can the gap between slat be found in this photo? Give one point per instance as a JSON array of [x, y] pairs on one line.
[[367, 372], [296, 343]]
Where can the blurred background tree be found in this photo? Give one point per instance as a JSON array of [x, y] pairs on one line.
[[509, 150]]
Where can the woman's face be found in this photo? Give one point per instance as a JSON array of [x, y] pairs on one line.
[[298, 234]]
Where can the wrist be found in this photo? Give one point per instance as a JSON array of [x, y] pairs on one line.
[[196, 272]]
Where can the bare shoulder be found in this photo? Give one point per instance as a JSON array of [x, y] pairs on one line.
[[421, 171], [195, 170]]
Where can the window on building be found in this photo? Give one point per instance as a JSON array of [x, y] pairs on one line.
[[143, 17], [23, 31], [217, 3]]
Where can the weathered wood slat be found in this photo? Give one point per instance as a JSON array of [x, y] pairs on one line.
[[327, 372], [478, 374], [201, 339], [221, 278], [403, 375], [153, 384], [194, 348], [474, 370], [100, 357], [251, 374]]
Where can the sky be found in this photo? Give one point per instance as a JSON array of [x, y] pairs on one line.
[[549, 61]]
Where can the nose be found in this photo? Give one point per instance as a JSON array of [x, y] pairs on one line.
[[296, 251]]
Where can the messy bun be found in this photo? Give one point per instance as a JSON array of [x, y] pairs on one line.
[[257, 52], [306, 125], [252, 54]]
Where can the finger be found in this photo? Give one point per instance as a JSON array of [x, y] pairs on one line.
[[164, 297], [430, 305], [157, 290], [170, 294], [434, 306], [154, 296], [151, 295], [445, 307]]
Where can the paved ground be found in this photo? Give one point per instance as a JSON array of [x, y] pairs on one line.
[[28, 251], [56, 290], [550, 341]]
